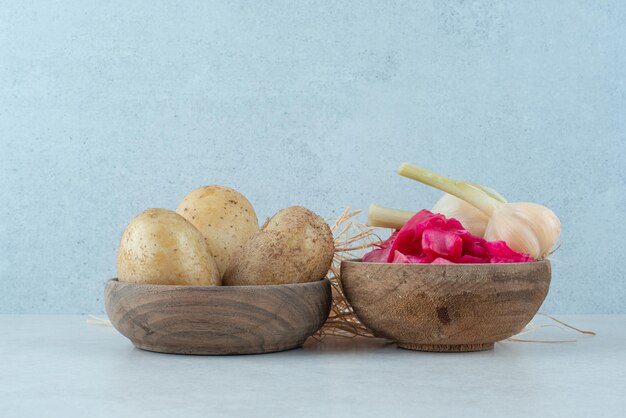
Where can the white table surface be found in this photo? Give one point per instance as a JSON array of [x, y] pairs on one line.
[[63, 366]]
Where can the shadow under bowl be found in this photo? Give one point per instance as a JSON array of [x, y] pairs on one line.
[[445, 307], [216, 320]]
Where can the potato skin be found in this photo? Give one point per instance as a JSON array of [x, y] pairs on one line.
[[294, 246], [160, 247], [225, 218]]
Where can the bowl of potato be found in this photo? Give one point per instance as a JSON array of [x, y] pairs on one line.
[[206, 279]]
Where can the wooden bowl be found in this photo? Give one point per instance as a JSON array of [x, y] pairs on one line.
[[209, 320], [445, 307]]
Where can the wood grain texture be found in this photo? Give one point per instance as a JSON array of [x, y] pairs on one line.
[[211, 320], [446, 307]]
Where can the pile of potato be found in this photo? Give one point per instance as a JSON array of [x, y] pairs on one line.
[[214, 238]]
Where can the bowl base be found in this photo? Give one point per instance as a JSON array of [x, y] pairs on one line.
[[447, 348], [215, 351]]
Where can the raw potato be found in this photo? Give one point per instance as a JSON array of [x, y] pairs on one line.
[[160, 247], [294, 246], [225, 218]]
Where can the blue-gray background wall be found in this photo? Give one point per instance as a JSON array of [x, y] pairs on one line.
[[108, 108]]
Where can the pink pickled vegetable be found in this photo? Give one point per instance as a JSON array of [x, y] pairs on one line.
[[502, 253], [440, 260], [398, 257], [381, 254], [440, 243], [429, 238]]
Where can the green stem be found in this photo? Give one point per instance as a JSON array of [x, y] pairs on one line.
[[387, 217], [488, 190], [462, 190]]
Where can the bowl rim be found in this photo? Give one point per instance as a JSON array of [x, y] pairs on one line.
[[452, 265], [218, 288]]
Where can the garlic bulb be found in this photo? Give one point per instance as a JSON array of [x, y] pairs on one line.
[[525, 227], [471, 218]]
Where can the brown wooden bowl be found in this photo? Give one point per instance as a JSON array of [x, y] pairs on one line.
[[445, 307], [209, 320]]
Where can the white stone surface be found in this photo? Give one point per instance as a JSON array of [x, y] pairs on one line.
[[62, 366]]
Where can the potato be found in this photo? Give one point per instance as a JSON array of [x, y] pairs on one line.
[[294, 246], [225, 218], [159, 246]]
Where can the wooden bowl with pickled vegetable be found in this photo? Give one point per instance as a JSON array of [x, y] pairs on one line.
[[213, 320], [445, 307]]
